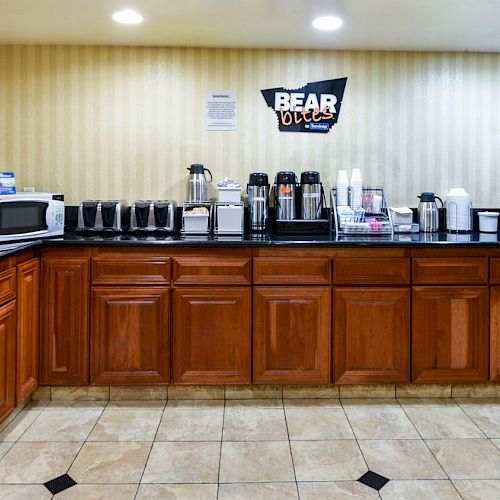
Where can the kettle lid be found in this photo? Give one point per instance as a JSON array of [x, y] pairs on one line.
[[285, 178], [310, 177], [427, 196], [196, 168], [258, 179]]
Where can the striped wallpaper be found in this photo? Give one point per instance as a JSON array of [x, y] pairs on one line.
[[120, 122]]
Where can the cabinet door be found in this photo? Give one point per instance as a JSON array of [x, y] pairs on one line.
[[65, 321], [450, 334], [211, 335], [371, 335], [291, 337], [7, 358], [495, 333], [28, 328], [130, 335]]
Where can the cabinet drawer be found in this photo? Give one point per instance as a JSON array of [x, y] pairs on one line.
[[495, 271], [291, 270], [212, 270], [144, 271], [371, 271], [7, 286], [451, 271]]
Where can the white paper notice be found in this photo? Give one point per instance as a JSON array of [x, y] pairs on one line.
[[221, 110]]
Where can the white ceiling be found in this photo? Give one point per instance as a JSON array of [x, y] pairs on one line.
[[444, 25]]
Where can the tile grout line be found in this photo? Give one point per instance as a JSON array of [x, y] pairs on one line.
[[220, 449], [355, 437], [151, 448], [290, 447], [472, 421], [85, 440], [431, 452], [25, 430]]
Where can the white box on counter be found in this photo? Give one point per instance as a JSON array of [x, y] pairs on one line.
[[229, 194], [401, 215]]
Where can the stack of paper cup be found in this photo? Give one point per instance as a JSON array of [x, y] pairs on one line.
[[356, 189], [342, 186], [488, 222]]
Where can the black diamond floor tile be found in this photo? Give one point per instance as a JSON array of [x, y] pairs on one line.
[[373, 480], [59, 484]]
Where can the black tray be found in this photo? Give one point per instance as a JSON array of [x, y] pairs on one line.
[[301, 226]]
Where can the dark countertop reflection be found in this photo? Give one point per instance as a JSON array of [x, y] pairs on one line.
[[410, 240], [272, 239], [440, 239]]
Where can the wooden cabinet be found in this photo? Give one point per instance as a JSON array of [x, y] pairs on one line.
[[495, 271], [371, 339], [64, 338], [211, 335], [130, 335], [221, 269], [7, 285], [28, 328], [291, 270], [291, 335], [7, 358], [371, 271], [450, 271], [450, 334], [495, 334], [131, 271]]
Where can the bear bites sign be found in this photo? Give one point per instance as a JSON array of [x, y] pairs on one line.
[[312, 108]]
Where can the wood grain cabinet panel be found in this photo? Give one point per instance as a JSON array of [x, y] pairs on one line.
[[450, 334], [7, 358], [495, 271], [291, 335], [495, 334], [371, 271], [7, 285], [291, 270], [371, 340], [211, 335], [212, 270], [28, 328], [130, 335], [450, 271], [64, 336], [139, 271]]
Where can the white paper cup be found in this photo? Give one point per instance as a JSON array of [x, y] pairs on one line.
[[488, 222]]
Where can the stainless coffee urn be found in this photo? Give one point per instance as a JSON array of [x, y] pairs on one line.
[[311, 201], [286, 183], [428, 213], [197, 185], [258, 201]]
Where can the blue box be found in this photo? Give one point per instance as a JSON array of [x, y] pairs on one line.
[[7, 183]]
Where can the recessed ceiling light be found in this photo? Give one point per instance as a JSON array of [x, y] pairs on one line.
[[127, 16], [327, 23]]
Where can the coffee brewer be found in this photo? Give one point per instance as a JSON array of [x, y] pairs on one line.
[[312, 193], [286, 184], [258, 201]]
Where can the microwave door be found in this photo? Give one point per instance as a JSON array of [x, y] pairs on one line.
[[23, 219]]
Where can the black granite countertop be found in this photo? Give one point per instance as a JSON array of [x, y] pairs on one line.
[[441, 239]]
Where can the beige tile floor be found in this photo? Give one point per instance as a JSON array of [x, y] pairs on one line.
[[272, 449]]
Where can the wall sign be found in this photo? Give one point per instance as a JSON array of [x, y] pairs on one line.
[[312, 108], [221, 108]]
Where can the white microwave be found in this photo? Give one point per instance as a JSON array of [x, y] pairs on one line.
[[31, 215]]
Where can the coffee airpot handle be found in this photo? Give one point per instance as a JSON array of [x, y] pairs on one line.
[[206, 169]]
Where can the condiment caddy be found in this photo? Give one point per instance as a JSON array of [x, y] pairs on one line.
[[371, 217]]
